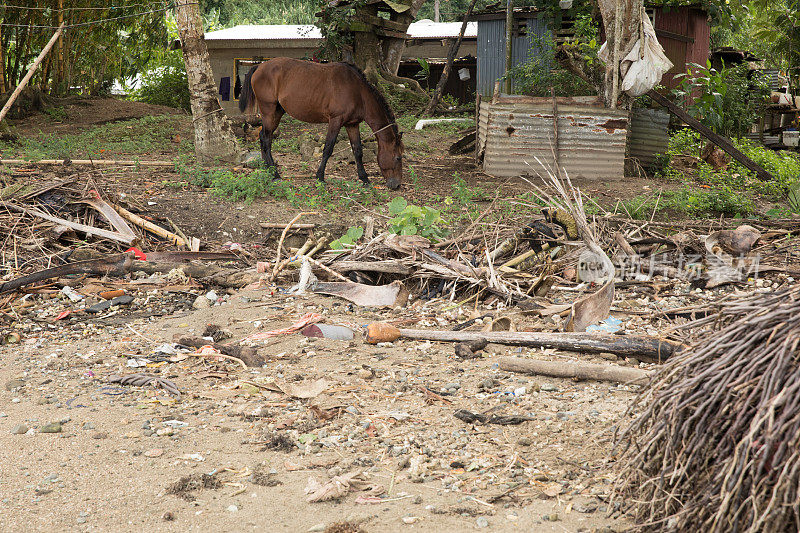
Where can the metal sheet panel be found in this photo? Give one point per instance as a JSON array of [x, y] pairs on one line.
[[648, 136], [492, 49], [515, 131]]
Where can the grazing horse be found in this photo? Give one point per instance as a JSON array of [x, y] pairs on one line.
[[336, 93]]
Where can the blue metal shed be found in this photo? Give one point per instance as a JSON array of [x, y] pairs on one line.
[[529, 33]]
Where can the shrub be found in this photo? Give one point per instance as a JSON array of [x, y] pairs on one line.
[[165, 84]]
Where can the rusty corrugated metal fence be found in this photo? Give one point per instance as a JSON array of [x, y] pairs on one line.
[[515, 130], [648, 136]]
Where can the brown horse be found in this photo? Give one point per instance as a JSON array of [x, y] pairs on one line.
[[336, 93]]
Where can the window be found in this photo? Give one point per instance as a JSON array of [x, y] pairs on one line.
[[241, 67]]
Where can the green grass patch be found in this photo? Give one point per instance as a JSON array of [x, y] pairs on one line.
[[139, 137]]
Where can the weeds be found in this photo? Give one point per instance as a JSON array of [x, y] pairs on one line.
[[141, 136]]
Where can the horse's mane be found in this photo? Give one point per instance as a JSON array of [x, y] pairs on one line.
[[378, 97]]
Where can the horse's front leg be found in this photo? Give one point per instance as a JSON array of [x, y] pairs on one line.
[[358, 152], [266, 150], [330, 141]]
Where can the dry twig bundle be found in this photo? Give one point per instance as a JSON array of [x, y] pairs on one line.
[[717, 446]]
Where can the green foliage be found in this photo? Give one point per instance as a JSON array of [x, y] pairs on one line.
[[694, 202], [414, 220], [228, 13], [541, 72], [727, 100], [794, 197], [348, 239], [149, 134], [731, 192], [102, 44], [58, 114], [245, 186], [165, 83]]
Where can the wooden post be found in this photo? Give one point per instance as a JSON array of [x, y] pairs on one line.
[[31, 70], [509, 38], [719, 140]]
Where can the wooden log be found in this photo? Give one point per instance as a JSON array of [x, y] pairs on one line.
[[648, 349], [93, 162], [719, 140], [29, 75], [561, 369]]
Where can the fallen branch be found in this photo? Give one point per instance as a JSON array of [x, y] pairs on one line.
[[561, 369], [115, 264], [643, 348]]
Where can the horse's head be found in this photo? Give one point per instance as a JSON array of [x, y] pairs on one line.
[[390, 159]]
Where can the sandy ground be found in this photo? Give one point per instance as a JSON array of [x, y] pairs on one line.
[[103, 472]]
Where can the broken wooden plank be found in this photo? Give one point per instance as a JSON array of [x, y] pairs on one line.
[[719, 140], [643, 348], [111, 216]]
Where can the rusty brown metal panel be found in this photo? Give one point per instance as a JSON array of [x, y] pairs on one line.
[[700, 30], [591, 140], [674, 20]]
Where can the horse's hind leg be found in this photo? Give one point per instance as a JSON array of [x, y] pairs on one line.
[[330, 141], [270, 117], [358, 152]]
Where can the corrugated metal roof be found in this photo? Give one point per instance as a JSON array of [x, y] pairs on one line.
[[514, 131], [417, 30], [649, 135]]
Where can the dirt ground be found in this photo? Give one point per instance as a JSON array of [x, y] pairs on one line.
[[123, 458]]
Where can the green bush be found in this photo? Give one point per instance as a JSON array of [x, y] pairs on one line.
[[165, 84], [727, 100], [536, 76]]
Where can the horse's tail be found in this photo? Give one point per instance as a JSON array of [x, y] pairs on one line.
[[247, 98]]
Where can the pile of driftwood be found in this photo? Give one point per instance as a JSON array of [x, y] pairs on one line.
[[715, 447]]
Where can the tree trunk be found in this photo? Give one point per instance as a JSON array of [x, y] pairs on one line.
[[629, 24], [393, 48], [213, 135]]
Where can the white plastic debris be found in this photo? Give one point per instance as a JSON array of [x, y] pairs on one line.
[[424, 122]]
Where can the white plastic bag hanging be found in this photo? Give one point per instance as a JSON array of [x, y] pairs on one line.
[[641, 69]]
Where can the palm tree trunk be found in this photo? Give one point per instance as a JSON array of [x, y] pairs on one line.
[[213, 135]]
